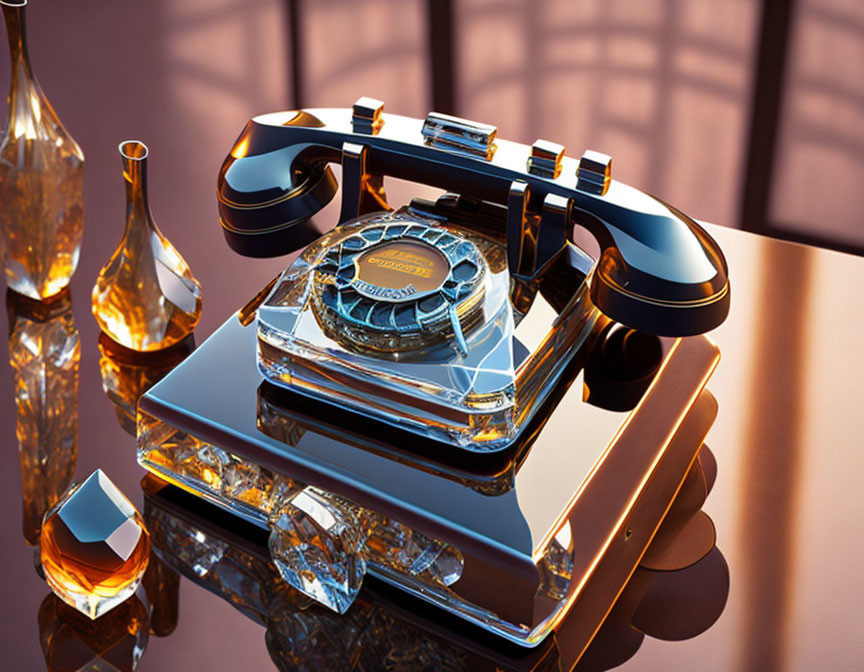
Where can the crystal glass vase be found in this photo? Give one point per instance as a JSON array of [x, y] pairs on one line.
[[41, 169], [145, 298]]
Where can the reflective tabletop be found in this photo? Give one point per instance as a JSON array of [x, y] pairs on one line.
[[786, 502]]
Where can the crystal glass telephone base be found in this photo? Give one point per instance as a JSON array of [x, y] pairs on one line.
[[511, 541], [409, 319]]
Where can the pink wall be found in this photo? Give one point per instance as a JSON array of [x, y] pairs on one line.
[[663, 86]]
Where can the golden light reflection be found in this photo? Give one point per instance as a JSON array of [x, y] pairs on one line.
[[239, 150], [772, 453]]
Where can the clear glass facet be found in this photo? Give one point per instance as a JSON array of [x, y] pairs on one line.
[[533, 327], [299, 635], [171, 460], [95, 547], [556, 567], [204, 468], [210, 561], [316, 639], [320, 530], [317, 545], [398, 546]]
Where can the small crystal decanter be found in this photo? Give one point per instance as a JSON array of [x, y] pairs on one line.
[[145, 298], [41, 180]]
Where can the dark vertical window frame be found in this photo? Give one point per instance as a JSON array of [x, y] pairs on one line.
[[295, 51], [442, 55], [765, 116], [765, 109]]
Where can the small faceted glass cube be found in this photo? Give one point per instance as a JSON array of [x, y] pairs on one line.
[[317, 545], [95, 546]]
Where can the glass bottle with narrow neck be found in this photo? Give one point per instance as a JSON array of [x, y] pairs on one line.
[[41, 180], [146, 297]]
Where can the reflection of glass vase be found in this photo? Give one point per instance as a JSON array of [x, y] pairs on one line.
[[145, 298], [41, 179], [44, 351], [127, 375]]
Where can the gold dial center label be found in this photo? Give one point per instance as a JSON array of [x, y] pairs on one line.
[[398, 264]]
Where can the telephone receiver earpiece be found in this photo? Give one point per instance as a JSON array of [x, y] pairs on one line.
[[268, 192], [658, 270]]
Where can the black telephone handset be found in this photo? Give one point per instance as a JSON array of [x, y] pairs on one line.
[[658, 270]]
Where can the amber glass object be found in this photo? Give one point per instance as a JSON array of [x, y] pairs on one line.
[[73, 643], [41, 169], [162, 588], [95, 547], [44, 352], [145, 298], [127, 374]]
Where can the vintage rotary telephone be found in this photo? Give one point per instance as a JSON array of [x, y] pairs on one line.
[[658, 270], [463, 325]]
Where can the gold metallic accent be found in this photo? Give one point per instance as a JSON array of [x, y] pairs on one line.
[[676, 257], [247, 313], [366, 115], [520, 246], [594, 172], [398, 263], [418, 268], [545, 159], [714, 298]]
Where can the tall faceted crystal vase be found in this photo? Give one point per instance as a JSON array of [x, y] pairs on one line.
[[145, 298], [41, 178]]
